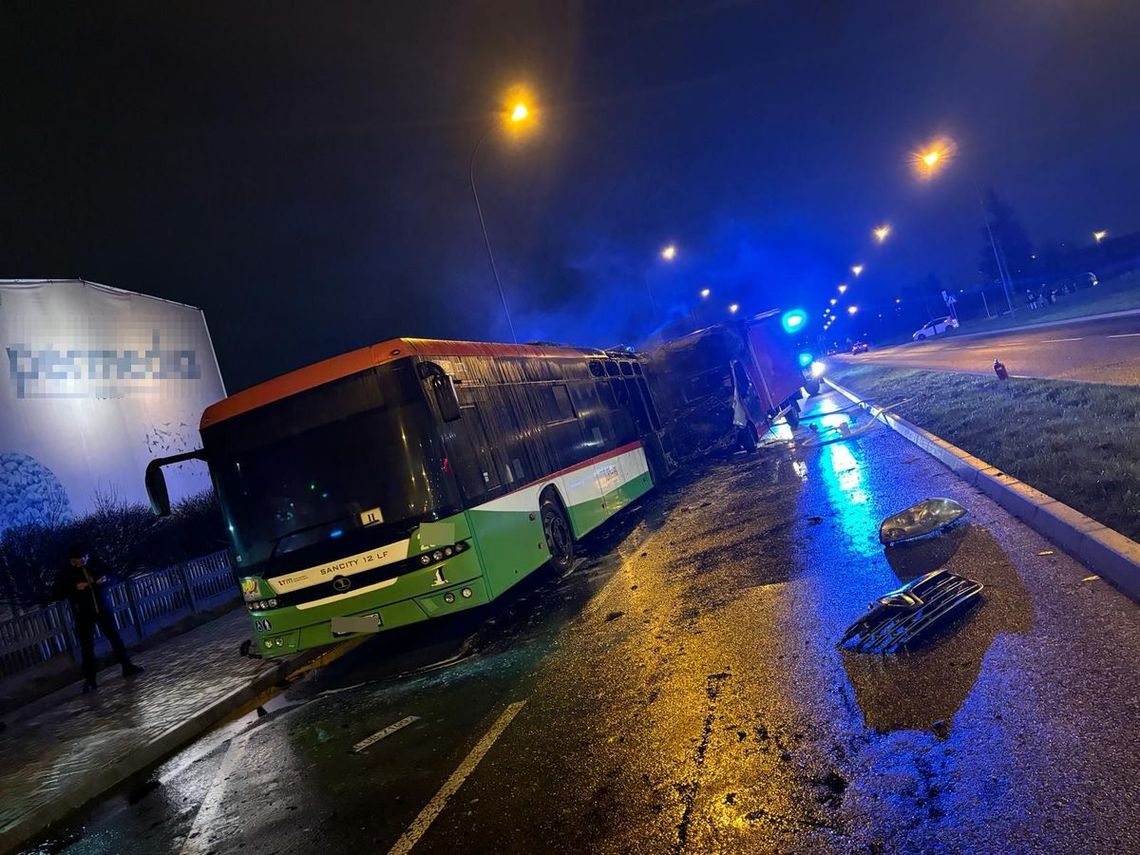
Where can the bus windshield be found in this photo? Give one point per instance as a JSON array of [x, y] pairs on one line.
[[317, 467]]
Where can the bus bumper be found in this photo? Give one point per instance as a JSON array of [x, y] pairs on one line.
[[438, 603]]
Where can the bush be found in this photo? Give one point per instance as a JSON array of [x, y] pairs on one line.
[[127, 536]]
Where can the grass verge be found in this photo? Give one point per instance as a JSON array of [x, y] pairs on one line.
[[1075, 441], [1116, 295]]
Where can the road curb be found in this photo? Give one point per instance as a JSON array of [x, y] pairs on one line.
[[1105, 551], [147, 755]]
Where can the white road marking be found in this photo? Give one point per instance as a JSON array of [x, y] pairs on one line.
[[1057, 340], [380, 734], [1125, 335], [433, 808], [199, 840]]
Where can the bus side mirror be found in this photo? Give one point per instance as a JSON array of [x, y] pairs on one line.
[[156, 489], [446, 398], [156, 480]]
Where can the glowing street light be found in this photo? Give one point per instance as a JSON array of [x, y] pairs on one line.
[[1099, 236], [732, 309], [705, 293], [857, 269], [842, 287], [933, 156], [833, 301], [881, 232], [669, 252], [515, 114], [897, 301], [852, 310]]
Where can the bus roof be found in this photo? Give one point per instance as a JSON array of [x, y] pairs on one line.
[[354, 361]]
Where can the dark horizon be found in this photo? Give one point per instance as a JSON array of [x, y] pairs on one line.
[[302, 176]]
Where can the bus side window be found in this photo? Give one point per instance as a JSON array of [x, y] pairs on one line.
[[651, 405], [473, 463], [606, 395]]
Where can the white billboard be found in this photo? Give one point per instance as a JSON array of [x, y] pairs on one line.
[[96, 382]]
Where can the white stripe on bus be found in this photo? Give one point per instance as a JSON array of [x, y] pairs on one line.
[[324, 601]]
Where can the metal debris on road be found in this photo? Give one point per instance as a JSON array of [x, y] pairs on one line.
[[1092, 578], [907, 616], [1045, 552], [381, 734], [927, 517]]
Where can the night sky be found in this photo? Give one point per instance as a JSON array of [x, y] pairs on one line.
[[300, 170]]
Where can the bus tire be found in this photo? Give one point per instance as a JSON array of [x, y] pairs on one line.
[[793, 416], [556, 530], [812, 386]]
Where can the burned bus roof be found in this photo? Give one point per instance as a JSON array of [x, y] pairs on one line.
[[336, 367]]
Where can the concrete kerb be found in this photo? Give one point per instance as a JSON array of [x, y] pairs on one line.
[[148, 755], [1105, 551]]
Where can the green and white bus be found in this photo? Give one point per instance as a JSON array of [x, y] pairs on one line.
[[414, 478]]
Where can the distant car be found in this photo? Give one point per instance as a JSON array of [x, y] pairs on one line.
[[935, 328], [860, 347]]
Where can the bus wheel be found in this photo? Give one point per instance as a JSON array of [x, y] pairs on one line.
[[559, 540], [793, 416]]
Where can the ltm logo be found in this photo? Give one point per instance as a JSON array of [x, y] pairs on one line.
[[53, 373]]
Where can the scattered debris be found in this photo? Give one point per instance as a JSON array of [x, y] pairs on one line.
[[1045, 552], [927, 517], [814, 520], [1092, 578], [903, 618], [614, 615], [941, 728]]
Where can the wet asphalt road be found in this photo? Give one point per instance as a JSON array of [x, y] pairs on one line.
[[1104, 351], [680, 691]]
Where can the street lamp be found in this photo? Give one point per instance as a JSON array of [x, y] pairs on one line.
[[733, 308], [927, 163], [833, 301], [1099, 236], [881, 232], [705, 293], [842, 287], [852, 310], [857, 269], [516, 115], [669, 252]]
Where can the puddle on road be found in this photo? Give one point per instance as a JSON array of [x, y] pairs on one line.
[[927, 687]]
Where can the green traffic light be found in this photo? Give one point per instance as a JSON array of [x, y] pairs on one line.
[[805, 359]]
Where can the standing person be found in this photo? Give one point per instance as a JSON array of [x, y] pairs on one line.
[[83, 583]]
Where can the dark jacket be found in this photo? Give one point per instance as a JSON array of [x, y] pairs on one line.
[[92, 599]]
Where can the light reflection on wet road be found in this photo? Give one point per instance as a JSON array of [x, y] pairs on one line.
[[684, 694]]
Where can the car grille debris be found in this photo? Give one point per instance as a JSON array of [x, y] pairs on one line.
[[904, 618]]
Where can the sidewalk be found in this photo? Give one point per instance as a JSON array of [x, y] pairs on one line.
[[66, 749]]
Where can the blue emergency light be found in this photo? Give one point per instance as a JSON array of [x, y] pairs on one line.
[[793, 320]]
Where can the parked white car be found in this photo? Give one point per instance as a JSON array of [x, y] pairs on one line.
[[935, 328]]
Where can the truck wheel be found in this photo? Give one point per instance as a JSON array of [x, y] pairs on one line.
[[747, 438], [793, 416], [812, 386], [556, 528]]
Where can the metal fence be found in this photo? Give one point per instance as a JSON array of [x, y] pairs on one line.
[[141, 605]]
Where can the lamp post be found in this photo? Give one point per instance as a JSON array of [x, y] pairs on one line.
[[927, 164], [519, 113]]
